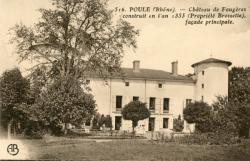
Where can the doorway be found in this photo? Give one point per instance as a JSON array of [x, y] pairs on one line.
[[118, 122], [151, 124]]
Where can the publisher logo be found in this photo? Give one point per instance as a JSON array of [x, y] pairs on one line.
[[12, 149]]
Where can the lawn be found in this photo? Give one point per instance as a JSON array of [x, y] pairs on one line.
[[131, 149]]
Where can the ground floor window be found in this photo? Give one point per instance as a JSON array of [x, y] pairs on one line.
[[165, 123]]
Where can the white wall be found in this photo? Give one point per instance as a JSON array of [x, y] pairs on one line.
[[215, 80]]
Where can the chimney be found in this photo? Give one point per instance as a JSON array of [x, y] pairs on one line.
[[136, 66], [175, 68]]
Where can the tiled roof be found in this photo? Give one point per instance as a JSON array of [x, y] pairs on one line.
[[150, 74], [212, 60]]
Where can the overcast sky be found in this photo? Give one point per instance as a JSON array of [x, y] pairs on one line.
[[160, 42]]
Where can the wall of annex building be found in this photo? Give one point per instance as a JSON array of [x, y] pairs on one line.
[[100, 88], [105, 94], [212, 80]]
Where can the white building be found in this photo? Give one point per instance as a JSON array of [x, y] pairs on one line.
[[166, 93]]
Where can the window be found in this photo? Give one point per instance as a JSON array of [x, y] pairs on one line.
[[152, 103], [202, 85], [126, 83], [135, 98], [202, 98], [160, 85], [188, 101], [165, 123], [166, 104], [203, 72], [118, 101]]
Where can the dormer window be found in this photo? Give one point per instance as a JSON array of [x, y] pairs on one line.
[[159, 85], [126, 83]]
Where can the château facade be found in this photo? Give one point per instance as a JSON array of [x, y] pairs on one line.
[[166, 93]]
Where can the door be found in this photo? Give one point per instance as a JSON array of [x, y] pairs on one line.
[[151, 124], [118, 122]]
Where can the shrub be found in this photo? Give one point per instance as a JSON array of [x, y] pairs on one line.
[[108, 122], [178, 124], [200, 114]]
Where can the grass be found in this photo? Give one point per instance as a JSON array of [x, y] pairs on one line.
[[132, 149]]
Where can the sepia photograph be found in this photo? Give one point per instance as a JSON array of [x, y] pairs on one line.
[[110, 80]]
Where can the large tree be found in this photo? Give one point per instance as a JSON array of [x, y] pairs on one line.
[[71, 40], [74, 38], [14, 91], [135, 111]]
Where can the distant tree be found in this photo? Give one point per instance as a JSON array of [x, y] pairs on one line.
[[135, 111], [178, 124], [239, 98], [200, 114], [14, 89]]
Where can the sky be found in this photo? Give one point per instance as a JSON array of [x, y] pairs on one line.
[[161, 41]]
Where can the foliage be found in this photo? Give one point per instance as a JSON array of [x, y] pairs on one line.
[[14, 89], [108, 121], [178, 124], [95, 121], [135, 111], [223, 120], [101, 120], [74, 38], [70, 106], [239, 97], [200, 114]]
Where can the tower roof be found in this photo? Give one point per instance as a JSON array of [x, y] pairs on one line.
[[212, 60]]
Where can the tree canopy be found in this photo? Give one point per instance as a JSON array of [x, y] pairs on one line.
[[74, 38]]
